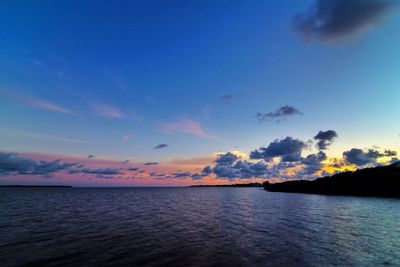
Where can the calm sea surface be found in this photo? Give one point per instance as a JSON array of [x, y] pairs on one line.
[[195, 227]]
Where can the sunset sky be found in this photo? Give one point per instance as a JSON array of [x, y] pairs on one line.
[[168, 93]]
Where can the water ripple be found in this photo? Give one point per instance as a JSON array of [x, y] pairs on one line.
[[194, 227]]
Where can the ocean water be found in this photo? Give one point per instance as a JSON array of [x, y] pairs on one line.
[[195, 227]]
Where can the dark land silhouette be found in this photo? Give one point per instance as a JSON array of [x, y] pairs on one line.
[[383, 181], [232, 185], [37, 186]]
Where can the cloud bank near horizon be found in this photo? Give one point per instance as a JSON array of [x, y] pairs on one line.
[[285, 158]]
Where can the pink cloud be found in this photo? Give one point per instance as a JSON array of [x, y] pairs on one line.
[[187, 126], [42, 104], [126, 137], [34, 102], [88, 172], [107, 111], [13, 133]]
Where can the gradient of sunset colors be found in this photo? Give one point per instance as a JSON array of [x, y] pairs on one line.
[[157, 93]]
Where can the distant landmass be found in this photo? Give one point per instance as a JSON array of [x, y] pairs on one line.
[[232, 185], [47, 186], [381, 181]]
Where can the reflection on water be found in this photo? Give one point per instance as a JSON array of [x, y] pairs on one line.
[[194, 227]]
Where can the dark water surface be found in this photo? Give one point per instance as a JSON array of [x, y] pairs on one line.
[[194, 227]]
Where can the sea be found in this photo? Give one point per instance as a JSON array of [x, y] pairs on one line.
[[195, 227]]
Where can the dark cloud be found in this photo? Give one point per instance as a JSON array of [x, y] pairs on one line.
[[280, 113], [390, 153], [283, 158], [288, 149], [226, 159], [133, 169], [198, 176], [150, 163], [360, 157], [126, 161], [181, 174], [241, 169], [13, 164], [395, 160], [103, 176], [225, 98], [105, 171], [325, 138], [90, 156], [207, 170], [229, 97], [48, 167], [332, 20], [230, 166], [160, 146], [313, 163], [155, 174]]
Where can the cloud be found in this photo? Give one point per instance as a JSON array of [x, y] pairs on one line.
[[197, 176], [13, 164], [280, 113], [160, 146], [13, 133], [100, 173], [34, 102], [107, 111], [333, 20], [150, 163], [313, 163], [226, 159], [230, 97], [390, 153], [288, 149], [181, 174], [133, 169], [325, 139], [42, 104], [394, 160], [207, 170], [155, 174], [187, 126], [90, 156], [235, 168], [126, 137], [281, 158], [225, 98], [229, 166], [360, 157]]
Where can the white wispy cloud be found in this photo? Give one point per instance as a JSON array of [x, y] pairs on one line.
[[107, 111], [25, 134], [34, 102]]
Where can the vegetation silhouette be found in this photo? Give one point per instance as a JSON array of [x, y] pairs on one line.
[[383, 181]]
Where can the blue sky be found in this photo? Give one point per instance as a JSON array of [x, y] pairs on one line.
[[116, 78]]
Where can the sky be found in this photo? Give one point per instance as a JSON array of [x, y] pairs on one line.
[[171, 93]]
